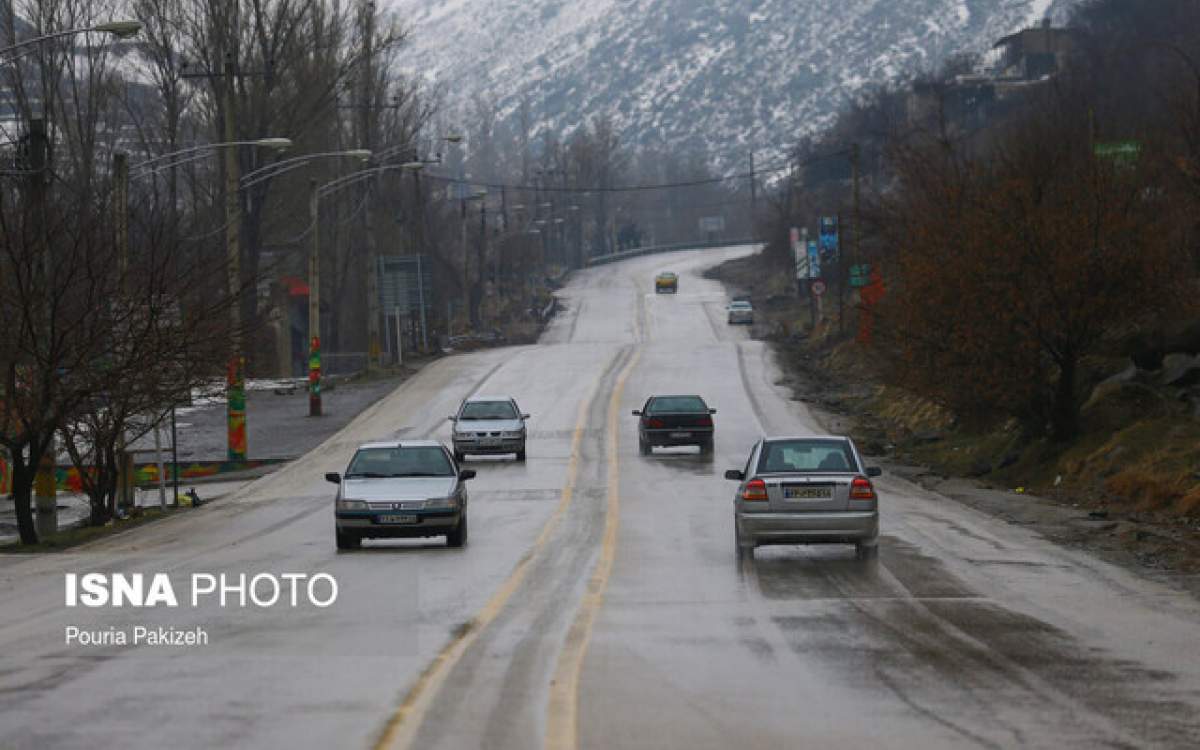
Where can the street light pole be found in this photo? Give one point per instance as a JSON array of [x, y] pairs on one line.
[[314, 308], [235, 382]]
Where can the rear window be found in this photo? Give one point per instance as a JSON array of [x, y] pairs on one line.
[[740, 306], [677, 405], [488, 410], [806, 455], [404, 461]]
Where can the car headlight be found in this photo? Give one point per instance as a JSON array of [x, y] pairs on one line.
[[351, 505], [514, 434], [441, 503]]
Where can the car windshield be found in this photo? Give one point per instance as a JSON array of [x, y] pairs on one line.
[[403, 461], [488, 410], [677, 405], [740, 306], [806, 455]]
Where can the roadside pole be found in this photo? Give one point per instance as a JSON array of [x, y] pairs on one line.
[[314, 308], [235, 379], [45, 501], [158, 457], [174, 458], [399, 338]]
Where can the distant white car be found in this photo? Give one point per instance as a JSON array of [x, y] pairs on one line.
[[489, 425], [740, 311]]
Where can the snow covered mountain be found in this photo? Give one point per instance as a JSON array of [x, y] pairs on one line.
[[728, 74]]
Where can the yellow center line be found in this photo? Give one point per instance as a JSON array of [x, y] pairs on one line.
[[562, 714], [401, 729]]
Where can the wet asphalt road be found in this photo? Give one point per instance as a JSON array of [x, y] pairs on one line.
[[599, 603]]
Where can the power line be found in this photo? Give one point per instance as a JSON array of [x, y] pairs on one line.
[[772, 169]]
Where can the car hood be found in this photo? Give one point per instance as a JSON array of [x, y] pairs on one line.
[[487, 425], [399, 488]]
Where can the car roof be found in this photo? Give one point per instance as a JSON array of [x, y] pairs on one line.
[[475, 399], [400, 444], [745, 302], [666, 273], [786, 438], [677, 395]]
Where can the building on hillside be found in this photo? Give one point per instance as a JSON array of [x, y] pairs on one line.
[[1035, 53]]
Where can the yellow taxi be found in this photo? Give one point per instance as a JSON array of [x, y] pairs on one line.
[[666, 281]]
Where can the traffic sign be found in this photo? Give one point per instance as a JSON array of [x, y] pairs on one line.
[[818, 287]]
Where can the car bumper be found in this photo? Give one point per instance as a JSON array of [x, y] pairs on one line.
[[500, 445], [748, 320], [683, 436], [368, 525], [808, 528], [665, 288]]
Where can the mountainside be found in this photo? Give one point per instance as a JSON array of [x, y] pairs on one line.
[[728, 74]]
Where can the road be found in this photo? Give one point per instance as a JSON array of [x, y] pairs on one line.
[[599, 603]]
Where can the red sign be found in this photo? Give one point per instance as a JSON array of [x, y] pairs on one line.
[[818, 287]]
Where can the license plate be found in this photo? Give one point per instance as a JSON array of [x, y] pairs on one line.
[[681, 434], [397, 519], [807, 493]]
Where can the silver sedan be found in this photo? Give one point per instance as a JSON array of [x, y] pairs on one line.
[[489, 425], [400, 489], [805, 490]]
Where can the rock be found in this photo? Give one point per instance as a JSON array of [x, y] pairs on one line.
[[1180, 370]]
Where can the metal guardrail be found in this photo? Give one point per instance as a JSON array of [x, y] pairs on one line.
[[614, 257]]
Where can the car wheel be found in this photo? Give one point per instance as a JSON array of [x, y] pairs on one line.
[[521, 453], [706, 446], [644, 447], [459, 456], [867, 550], [347, 541], [744, 551], [458, 537]]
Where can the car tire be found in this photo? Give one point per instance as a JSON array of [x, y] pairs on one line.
[[521, 453], [706, 447], [867, 550], [744, 551], [644, 447], [459, 456], [347, 541], [458, 537]]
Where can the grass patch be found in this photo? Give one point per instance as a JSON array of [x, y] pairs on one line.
[[69, 538]]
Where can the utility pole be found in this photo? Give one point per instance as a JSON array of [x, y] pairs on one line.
[[481, 266], [120, 171], [372, 275], [753, 198], [314, 307], [235, 390], [44, 488]]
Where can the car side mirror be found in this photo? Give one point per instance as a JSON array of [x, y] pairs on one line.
[[735, 474], [874, 471], [334, 477], [637, 412], [712, 411], [524, 416], [466, 474]]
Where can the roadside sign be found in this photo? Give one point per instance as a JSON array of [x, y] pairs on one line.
[[818, 287], [1122, 153], [829, 239], [799, 254], [814, 260], [860, 275]]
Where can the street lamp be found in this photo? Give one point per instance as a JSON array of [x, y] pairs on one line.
[[235, 397], [119, 29], [314, 276], [173, 159], [287, 165]]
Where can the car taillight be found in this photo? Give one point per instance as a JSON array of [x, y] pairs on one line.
[[755, 490], [861, 489], [655, 423], [705, 421]]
